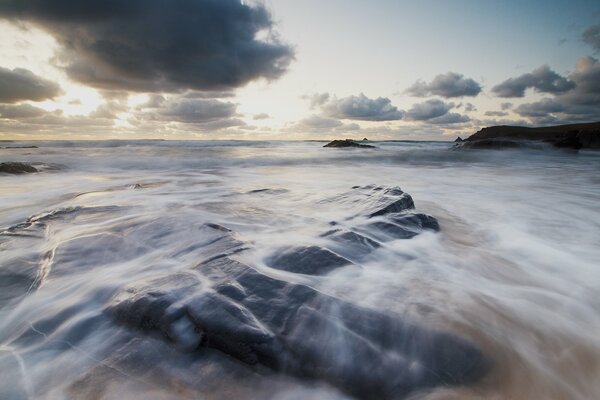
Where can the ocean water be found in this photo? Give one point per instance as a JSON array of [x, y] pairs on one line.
[[515, 268]]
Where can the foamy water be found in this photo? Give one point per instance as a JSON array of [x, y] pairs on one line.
[[515, 267]]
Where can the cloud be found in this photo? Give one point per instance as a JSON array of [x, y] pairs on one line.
[[321, 124], [20, 111], [261, 116], [448, 85], [470, 107], [542, 79], [428, 110], [591, 36], [158, 46], [582, 104], [359, 108], [506, 106], [21, 84], [317, 100], [449, 119], [587, 79], [496, 113], [185, 110]]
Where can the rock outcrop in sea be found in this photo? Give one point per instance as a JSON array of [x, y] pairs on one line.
[[347, 143], [17, 168], [277, 326], [574, 136]]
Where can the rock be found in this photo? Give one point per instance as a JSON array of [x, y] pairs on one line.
[[351, 244], [417, 222], [402, 226], [312, 260], [293, 329], [574, 136], [458, 139], [347, 143], [17, 168], [493, 144], [376, 201], [365, 139]]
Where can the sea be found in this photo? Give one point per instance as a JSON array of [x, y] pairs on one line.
[[514, 268]]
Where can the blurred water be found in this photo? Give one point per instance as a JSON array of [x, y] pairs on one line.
[[515, 267]]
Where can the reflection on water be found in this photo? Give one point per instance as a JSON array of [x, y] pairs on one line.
[[514, 268]]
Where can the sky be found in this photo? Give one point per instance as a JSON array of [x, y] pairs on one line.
[[294, 69]]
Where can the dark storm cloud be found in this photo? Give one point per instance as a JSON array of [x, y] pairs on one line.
[[21, 84], [542, 79], [158, 45], [428, 110], [446, 85], [359, 108], [592, 36]]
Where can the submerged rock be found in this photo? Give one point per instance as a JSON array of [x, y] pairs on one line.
[[347, 143], [273, 326], [311, 260], [293, 329], [17, 168]]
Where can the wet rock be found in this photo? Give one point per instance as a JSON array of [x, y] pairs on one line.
[[310, 260], [352, 239], [493, 144], [388, 200], [293, 329], [17, 168], [401, 226], [458, 139], [417, 222], [385, 231], [347, 143]]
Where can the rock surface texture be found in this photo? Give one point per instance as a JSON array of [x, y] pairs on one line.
[[273, 325]]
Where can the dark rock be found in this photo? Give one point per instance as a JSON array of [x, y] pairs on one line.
[[386, 230], [402, 226], [19, 147], [293, 329], [571, 141], [492, 144], [566, 136], [312, 260], [365, 139], [17, 168], [459, 139], [417, 222], [347, 143], [351, 244], [400, 203]]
